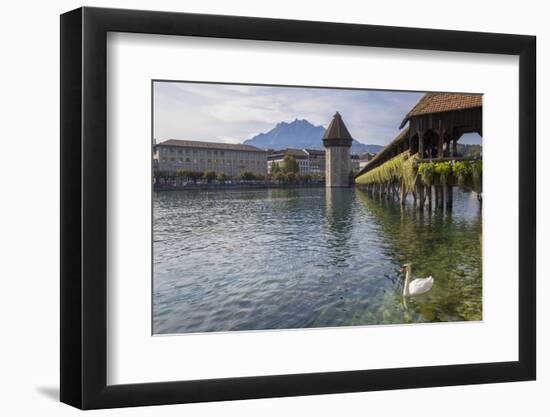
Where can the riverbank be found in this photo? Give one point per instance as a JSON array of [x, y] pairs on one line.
[[235, 186]]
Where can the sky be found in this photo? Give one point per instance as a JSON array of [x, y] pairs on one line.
[[234, 113]]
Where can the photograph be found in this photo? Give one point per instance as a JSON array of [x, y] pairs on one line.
[[294, 207]]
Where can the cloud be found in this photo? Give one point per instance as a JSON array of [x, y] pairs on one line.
[[234, 113]]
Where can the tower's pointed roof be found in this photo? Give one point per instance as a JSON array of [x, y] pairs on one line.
[[337, 129]]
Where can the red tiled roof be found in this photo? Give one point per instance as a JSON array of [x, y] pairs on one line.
[[442, 102]]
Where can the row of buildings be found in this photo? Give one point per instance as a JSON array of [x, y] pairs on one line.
[[235, 159]]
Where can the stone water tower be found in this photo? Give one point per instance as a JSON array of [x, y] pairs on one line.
[[337, 142]]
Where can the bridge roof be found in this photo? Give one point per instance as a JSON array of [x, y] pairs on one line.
[[404, 134], [443, 102]]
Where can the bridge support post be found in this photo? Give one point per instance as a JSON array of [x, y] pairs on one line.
[[421, 197], [440, 140], [402, 193], [438, 197], [449, 197]]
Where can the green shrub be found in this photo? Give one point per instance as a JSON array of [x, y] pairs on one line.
[[461, 170], [209, 176], [409, 174], [291, 177], [427, 172], [443, 169], [476, 168], [389, 172], [247, 176]]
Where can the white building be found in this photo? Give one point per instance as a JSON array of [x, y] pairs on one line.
[[229, 159]]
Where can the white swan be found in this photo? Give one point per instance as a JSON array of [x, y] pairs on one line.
[[416, 286]]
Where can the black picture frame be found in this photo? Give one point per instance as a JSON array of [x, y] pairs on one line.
[[84, 207]]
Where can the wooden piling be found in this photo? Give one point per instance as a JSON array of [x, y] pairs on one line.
[[449, 197], [402, 193], [421, 197]]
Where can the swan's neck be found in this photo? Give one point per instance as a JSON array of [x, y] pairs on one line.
[[407, 279]]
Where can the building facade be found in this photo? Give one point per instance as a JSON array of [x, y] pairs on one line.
[[317, 160], [310, 161], [354, 163], [337, 141], [277, 157], [229, 159], [364, 159]]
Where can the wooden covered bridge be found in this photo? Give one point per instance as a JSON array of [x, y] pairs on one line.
[[423, 159]]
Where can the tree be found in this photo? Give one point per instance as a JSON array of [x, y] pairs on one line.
[[166, 176], [305, 177], [319, 177], [181, 173], [280, 176], [275, 168], [157, 175], [247, 176], [290, 164], [194, 175], [222, 177], [209, 176], [291, 177]]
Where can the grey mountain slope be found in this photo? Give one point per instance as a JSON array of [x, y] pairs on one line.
[[300, 134]]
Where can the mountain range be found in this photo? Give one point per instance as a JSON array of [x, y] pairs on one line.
[[301, 134]]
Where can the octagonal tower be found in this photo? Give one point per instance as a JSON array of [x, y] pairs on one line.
[[337, 141]]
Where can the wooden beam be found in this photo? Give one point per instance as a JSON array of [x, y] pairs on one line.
[[441, 139], [454, 150]]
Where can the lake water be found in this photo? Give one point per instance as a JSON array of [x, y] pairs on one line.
[[300, 258]]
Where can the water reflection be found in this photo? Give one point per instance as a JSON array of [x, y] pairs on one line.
[[294, 258], [446, 245], [338, 224]]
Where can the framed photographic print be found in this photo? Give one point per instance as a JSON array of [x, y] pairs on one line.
[[257, 208]]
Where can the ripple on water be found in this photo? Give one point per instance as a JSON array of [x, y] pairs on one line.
[[295, 258]]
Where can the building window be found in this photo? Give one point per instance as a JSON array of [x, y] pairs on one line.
[[187, 160], [179, 151]]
